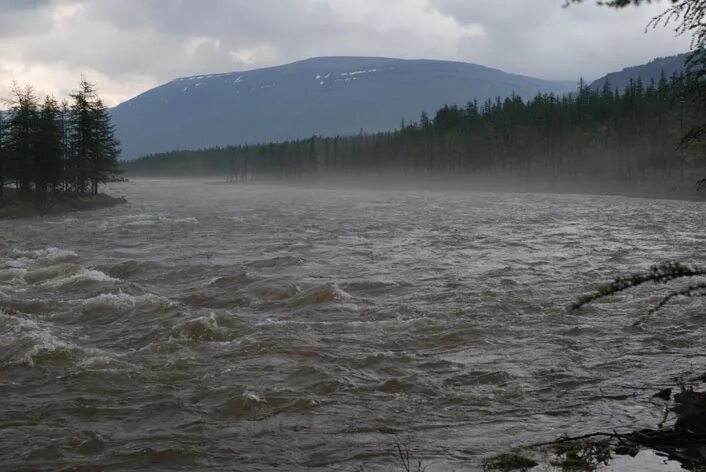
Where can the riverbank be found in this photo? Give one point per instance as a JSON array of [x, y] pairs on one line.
[[12, 207]]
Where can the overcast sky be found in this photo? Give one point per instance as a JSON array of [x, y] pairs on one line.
[[128, 46]]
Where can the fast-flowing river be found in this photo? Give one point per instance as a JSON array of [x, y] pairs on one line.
[[256, 328]]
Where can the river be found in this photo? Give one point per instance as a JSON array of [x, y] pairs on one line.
[[254, 327]]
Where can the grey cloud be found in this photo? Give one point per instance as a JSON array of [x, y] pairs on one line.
[[542, 38], [273, 20], [20, 19], [133, 42], [13, 5]]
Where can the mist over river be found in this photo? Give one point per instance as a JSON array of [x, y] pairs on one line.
[[223, 327]]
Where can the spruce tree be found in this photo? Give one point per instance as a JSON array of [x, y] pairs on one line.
[[105, 167], [49, 148], [22, 139], [64, 122], [3, 156], [94, 150]]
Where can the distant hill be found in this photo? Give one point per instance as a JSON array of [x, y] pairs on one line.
[[323, 96], [647, 72]]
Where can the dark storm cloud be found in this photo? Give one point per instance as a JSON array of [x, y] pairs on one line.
[[13, 5], [129, 45], [23, 18]]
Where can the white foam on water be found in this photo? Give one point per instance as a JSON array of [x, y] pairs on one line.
[[29, 339], [123, 300], [189, 220], [64, 274], [44, 274], [395, 322], [24, 259], [17, 263], [141, 223], [138, 219], [45, 342], [340, 293], [12, 276], [84, 275], [104, 362], [165, 220], [50, 253], [17, 331], [253, 397], [326, 293], [64, 221]]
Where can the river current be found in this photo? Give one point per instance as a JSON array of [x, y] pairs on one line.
[[256, 328]]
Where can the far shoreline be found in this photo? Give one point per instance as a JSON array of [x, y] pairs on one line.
[[653, 190]]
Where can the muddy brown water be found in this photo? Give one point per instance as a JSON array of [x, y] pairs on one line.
[[255, 327]]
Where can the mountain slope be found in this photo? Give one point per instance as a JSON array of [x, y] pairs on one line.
[[651, 71], [323, 96]]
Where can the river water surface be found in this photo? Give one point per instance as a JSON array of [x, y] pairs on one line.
[[227, 327]]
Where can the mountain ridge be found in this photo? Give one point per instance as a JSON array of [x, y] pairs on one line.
[[326, 96], [330, 95], [647, 72]]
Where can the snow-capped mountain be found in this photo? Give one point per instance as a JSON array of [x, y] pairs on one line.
[[322, 96]]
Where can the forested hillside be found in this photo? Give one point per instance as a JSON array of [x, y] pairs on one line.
[[653, 70], [602, 134]]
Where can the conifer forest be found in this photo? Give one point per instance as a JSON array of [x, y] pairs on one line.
[[618, 135], [49, 148]]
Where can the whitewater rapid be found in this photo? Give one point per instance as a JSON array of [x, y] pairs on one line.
[[253, 327]]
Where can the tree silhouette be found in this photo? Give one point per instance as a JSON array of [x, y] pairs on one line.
[[54, 148]]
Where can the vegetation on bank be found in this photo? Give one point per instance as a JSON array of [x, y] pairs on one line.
[[658, 274], [54, 156], [593, 135], [13, 207], [683, 441]]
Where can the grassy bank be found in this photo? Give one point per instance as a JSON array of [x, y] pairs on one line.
[[12, 207]]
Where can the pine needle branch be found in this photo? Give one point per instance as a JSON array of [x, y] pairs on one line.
[[661, 273], [697, 290]]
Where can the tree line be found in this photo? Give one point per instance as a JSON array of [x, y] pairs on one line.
[[49, 148], [605, 134]]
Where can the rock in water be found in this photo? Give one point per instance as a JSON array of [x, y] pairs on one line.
[[691, 411]]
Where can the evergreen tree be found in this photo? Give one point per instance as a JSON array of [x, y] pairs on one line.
[[55, 147], [3, 156], [689, 16], [94, 151], [49, 146], [104, 165], [64, 122], [22, 138]]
